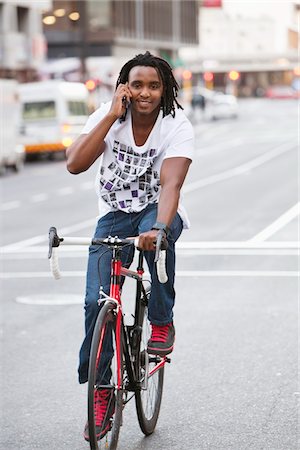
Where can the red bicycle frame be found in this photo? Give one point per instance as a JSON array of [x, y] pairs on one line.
[[117, 271]]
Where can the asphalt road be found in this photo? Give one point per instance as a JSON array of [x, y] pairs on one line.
[[232, 383]]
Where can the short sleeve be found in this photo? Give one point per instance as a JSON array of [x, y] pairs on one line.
[[95, 118], [181, 142]]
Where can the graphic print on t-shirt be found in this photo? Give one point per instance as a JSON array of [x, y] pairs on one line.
[[129, 181]]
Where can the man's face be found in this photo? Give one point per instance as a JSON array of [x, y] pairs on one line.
[[146, 88]]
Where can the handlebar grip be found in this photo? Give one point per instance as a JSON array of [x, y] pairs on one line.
[[54, 266], [161, 267], [160, 256]]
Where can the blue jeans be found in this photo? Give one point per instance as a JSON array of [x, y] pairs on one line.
[[160, 309]]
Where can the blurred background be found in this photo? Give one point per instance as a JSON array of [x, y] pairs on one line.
[[242, 49]]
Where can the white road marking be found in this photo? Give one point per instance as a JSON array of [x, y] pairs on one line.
[[238, 273], [25, 243], [208, 247], [211, 131], [43, 196], [179, 273], [52, 300], [238, 244], [238, 141], [39, 198], [239, 170], [282, 221], [65, 191], [10, 205], [220, 147], [43, 238], [77, 253], [87, 185]]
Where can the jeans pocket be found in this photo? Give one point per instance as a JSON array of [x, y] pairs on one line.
[[175, 229]]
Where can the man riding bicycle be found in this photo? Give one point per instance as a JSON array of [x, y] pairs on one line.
[[145, 144]]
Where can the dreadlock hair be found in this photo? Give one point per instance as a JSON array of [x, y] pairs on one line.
[[168, 100]]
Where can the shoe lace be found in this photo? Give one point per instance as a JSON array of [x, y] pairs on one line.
[[101, 402], [159, 333]]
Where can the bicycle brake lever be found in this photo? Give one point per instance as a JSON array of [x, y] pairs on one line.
[[54, 240], [161, 244]]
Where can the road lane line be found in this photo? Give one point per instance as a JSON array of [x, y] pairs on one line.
[[10, 205], [44, 237], [51, 300], [65, 191], [252, 246], [179, 273], [220, 147], [43, 196], [238, 244], [39, 198], [83, 253], [87, 185], [283, 220], [239, 170]]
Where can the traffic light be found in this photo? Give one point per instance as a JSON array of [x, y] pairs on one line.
[[90, 84], [208, 76], [234, 75], [187, 75]]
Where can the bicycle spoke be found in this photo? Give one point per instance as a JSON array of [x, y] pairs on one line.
[[148, 399], [105, 402]]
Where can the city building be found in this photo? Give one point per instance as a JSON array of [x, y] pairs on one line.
[[22, 43], [92, 38], [246, 46]]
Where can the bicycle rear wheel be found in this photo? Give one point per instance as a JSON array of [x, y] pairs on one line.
[[148, 399], [103, 383]]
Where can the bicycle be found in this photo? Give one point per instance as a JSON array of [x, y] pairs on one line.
[[129, 371]]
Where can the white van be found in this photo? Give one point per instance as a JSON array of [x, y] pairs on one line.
[[11, 151], [54, 113]]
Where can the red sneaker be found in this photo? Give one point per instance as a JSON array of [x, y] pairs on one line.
[[162, 339], [104, 407]]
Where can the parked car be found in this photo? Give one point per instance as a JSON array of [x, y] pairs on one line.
[[222, 106], [282, 92], [11, 151], [215, 105], [53, 113]]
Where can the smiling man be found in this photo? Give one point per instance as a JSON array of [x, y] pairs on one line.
[[145, 144]]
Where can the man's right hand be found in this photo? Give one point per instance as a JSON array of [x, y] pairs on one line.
[[118, 105]]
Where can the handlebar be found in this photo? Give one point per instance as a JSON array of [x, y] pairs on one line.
[[113, 242]]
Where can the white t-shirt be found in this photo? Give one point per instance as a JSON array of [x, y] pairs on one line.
[[128, 175]]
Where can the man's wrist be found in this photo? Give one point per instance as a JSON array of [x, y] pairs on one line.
[[161, 226], [112, 117]]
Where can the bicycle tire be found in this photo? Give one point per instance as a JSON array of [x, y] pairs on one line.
[[105, 326], [148, 400]]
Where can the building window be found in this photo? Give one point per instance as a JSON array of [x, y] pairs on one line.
[[98, 15], [1, 18], [22, 19], [125, 18], [188, 26]]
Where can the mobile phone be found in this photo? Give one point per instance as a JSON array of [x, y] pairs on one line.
[[124, 101]]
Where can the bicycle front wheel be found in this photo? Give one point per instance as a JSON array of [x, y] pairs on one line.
[[148, 398], [105, 394]]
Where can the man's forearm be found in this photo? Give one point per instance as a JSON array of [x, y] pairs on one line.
[[167, 205], [88, 147]]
